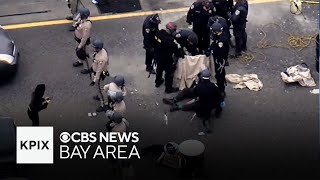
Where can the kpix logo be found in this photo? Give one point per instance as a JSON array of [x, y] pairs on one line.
[[34, 145]]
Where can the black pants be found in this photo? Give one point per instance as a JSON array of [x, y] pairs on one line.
[[203, 39], [240, 36], [169, 72], [149, 58], [219, 67], [34, 117], [81, 53]]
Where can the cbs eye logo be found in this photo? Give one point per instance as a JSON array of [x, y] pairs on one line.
[[65, 137]]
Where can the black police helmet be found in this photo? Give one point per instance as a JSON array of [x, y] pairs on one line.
[[155, 19], [216, 27], [171, 26], [205, 74], [118, 97], [116, 117], [119, 80], [97, 43], [84, 13], [193, 38]]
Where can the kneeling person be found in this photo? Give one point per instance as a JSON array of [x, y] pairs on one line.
[[206, 95]]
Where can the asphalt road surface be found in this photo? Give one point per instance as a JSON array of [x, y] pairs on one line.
[[264, 133]]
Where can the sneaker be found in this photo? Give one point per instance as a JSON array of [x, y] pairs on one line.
[[174, 107], [85, 71], [77, 64], [96, 98], [159, 84], [201, 133], [168, 101], [171, 90]]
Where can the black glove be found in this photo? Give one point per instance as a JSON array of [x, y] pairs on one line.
[[229, 15], [208, 53], [107, 73], [92, 83]]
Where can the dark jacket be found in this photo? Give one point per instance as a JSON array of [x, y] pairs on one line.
[[220, 46], [148, 31], [240, 21], [209, 97], [181, 36], [165, 48], [38, 103], [198, 17]]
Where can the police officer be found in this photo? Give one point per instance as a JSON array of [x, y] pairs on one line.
[[207, 95], [187, 39], [37, 104], [220, 49], [117, 85], [239, 21], [149, 28], [317, 53], [224, 24], [222, 8], [164, 50], [198, 16], [117, 103], [82, 36], [100, 69], [117, 123], [220, 20]]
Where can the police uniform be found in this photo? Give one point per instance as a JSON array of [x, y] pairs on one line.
[[199, 18], [148, 31], [100, 70], [164, 50], [220, 49], [82, 33], [239, 21], [111, 89], [222, 8], [181, 36]]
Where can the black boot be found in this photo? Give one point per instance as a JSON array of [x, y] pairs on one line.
[[168, 101], [171, 90], [72, 28], [70, 18], [85, 71], [77, 64], [101, 109], [96, 98]]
